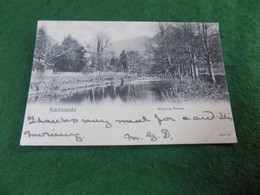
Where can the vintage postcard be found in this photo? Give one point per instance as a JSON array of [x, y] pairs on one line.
[[127, 83]]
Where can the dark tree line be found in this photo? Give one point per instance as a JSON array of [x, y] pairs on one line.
[[180, 50], [71, 56], [130, 62]]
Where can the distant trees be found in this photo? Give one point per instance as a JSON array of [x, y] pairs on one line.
[[123, 62], [71, 56], [114, 64], [134, 61], [130, 62], [104, 60], [102, 43]]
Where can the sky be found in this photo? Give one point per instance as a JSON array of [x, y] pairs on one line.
[[85, 31]]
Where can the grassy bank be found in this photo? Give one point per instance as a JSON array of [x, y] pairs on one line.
[[45, 87], [201, 90]]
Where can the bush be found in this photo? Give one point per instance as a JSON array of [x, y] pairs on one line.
[[197, 91]]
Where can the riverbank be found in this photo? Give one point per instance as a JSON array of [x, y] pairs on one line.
[[45, 87], [96, 87]]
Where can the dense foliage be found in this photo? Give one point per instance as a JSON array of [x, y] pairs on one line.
[[181, 50]]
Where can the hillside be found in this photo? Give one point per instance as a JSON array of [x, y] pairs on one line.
[[136, 44]]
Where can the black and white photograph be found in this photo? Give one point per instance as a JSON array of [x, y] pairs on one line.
[[129, 70], [118, 61]]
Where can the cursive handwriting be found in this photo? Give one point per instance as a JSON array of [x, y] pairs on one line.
[[107, 123], [32, 120], [152, 136], [149, 135], [211, 116], [166, 133], [77, 136], [129, 137], [143, 120], [225, 116], [206, 116], [160, 120], [61, 120]]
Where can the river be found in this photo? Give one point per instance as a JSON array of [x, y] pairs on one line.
[[140, 90]]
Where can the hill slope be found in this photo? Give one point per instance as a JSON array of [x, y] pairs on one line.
[[136, 44]]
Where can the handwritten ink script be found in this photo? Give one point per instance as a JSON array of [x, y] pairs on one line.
[[206, 115], [77, 136], [149, 135], [165, 125]]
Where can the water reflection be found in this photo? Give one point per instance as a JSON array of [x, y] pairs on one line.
[[128, 92]]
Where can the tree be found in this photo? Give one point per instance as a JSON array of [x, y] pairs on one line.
[[164, 51], [113, 63], [187, 45], [134, 61], [118, 67], [123, 61], [42, 47], [102, 43], [206, 34], [72, 58]]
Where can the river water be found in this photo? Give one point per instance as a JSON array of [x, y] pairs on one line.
[[147, 90]]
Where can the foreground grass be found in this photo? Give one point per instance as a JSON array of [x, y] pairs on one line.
[[201, 90]]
